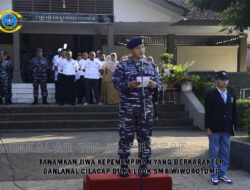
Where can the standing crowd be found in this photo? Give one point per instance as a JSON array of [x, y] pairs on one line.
[[84, 80], [88, 79]]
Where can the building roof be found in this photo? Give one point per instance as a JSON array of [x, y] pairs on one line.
[[195, 16]]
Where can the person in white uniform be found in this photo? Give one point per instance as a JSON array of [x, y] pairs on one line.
[[55, 59], [80, 79], [92, 69], [102, 61], [58, 68], [69, 68]]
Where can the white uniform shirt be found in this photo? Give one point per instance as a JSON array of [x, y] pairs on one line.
[[69, 67], [92, 69], [80, 72], [55, 58], [223, 94], [59, 64]]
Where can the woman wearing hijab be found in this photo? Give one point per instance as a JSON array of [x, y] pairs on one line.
[[109, 95]]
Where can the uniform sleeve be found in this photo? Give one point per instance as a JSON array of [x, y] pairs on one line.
[[10, 67], [32, 64], [83, 65], [47, 65], [208, 111], [157, 78], [54, 60], [118, 79], [60, 65], [99, 65], [234, 114], [76, 65]]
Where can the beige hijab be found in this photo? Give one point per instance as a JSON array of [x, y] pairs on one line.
[[111, 65]]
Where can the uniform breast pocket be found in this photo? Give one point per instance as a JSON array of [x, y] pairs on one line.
[[148, 71], [130, 74]]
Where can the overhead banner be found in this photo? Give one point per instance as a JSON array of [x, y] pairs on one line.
[[67, 17]]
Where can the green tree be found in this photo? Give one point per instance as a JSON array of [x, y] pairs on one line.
[[236, 12]]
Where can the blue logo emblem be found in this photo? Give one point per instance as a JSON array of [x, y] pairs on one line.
[[9, 21]]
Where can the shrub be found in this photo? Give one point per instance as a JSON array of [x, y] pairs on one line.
[[201, 87], [243, 107], [246, 121]]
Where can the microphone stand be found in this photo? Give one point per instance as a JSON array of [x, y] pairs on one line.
[[143, 108], [143, 93]]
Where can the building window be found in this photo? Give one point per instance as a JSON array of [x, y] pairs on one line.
[[64, 6]]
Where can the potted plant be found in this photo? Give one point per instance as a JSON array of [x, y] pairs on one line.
[[168, 74], [166, 60], [169, 79], [183, 78], [187, 82]]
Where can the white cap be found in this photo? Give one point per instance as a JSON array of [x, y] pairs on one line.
[[59, 50]]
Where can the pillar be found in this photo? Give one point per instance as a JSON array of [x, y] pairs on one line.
[[110, 37], [16, 59], [242, 67], [171, 43]]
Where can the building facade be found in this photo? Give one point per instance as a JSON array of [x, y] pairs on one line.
[[85, 25]]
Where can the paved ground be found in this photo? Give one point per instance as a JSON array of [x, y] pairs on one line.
[[21, 167]]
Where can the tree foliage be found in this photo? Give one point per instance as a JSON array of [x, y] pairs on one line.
[[236, 12]]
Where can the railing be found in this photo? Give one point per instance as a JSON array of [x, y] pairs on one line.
[[243, 93], [64, 6], [167, 95]]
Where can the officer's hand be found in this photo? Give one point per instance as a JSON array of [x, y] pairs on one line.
[[209, 132], [134, 84], [152, 84]]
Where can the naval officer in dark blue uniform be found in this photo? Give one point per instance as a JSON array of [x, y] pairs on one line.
[[136, 108], [220, 122]]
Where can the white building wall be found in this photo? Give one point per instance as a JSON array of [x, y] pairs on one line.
[[142, 11], [5, 5]]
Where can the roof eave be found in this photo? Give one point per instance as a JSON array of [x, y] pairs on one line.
[[197, 23], [172, 7]]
